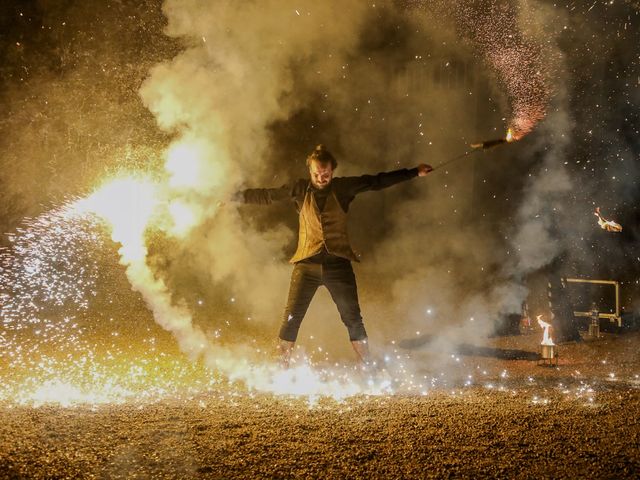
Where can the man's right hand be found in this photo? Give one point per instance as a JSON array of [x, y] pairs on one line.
[[424, 169]]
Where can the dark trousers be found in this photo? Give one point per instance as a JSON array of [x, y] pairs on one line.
[[336, 274]]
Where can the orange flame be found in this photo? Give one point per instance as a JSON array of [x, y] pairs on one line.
[[509, 137], [608, 225]]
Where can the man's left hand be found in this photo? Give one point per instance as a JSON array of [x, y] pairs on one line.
[[423, 169]]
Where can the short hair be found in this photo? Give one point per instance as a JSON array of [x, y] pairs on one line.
[[322, 155]]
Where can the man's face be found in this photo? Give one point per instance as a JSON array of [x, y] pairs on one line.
[[320, 174]]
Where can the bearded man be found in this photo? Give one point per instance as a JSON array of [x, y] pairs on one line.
[[324, 254]]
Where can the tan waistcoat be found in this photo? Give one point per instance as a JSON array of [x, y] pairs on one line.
[[322, 229]]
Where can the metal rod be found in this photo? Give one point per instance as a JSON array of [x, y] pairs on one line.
[[451, 160], [611, 316], [477, 147], [586, 280], [618, 304]]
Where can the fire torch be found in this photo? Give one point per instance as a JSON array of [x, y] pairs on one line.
[[493, 143], [476, 147]]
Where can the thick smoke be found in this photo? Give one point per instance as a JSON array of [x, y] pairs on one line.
[[242, 77], [233, 80], [444, 296], [385, 87]]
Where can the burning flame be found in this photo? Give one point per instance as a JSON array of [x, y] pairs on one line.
[[608, 225], [509, 137], [546, 337], [127, 204], [184, 165]]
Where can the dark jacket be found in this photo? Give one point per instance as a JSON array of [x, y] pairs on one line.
[[345, 188], [323, 213]]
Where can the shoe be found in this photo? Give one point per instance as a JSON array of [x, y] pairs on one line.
[[361, 347], [285, 348]]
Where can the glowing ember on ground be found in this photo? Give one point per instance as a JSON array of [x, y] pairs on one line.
[[608, 225]]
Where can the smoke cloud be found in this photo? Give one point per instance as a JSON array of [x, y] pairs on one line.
[[385, 87]]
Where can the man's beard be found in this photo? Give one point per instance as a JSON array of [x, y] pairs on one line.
[[320, 187]]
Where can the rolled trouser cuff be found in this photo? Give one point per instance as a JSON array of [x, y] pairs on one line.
[[288, 335], [357, 332]]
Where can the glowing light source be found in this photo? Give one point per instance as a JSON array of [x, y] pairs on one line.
[[509, 136], [127, 204], [184, 165], [546, 337], [487, 144], [184, 217]]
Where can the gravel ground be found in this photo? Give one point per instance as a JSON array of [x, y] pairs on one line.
[[517, 420]]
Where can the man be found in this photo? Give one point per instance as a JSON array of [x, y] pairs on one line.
[[324, 254]]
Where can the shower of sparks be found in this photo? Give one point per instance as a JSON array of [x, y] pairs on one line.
[[47, 271], [61, 348], [519, 63], [56, 338], [48, 265], [59, 344], [55, 347]]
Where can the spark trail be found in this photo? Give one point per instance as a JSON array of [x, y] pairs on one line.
[[50, 355], [57, 344], [521, 63], [48, 270]]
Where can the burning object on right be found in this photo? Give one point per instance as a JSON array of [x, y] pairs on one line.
[[608, 225], [548, 352]]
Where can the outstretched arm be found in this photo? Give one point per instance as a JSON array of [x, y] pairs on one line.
[[263, 196], [382, 180], [266, 196]]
